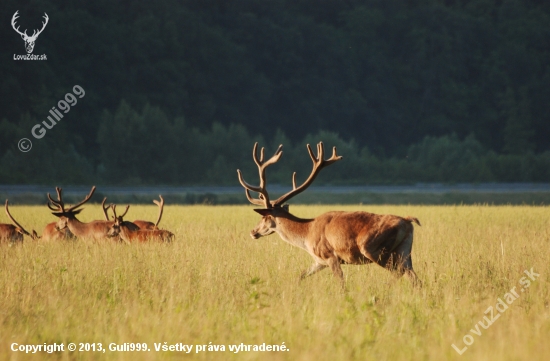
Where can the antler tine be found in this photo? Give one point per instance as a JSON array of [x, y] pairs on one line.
[[15, 222], [59, 203], [335, 157], [13, 19], [311, 155], [255, 155], [246, 185], [263, 199], [105, 209], [51, 207], [125, 211], [83, 201], [254, 201], [318, 163], [161, 208], [113, 207], [52, 201]]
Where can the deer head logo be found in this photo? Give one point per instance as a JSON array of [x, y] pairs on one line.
[[29, 40]]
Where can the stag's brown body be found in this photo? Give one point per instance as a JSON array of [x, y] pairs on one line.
[[145, 225], [355, 238], [145, 235], [333, 238], [9, 234], [96, 230]]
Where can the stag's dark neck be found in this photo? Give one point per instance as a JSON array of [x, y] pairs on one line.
[[125, 233], [77, 227]]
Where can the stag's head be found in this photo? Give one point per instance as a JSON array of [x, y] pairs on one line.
[[115, 229], [268, 223], [29, 40], [276, 209]]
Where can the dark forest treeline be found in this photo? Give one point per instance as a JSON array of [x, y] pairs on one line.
[[148, 147], [409, 90]]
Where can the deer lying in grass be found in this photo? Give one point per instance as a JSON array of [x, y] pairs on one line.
[[96, 230], [336, 237], [128, 235], [139, 223], [12, 234]]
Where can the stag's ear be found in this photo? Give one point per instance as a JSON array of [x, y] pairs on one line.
[[285, 207], [67, 214], [263, 211]]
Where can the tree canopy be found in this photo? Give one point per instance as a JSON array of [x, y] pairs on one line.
[[178, 91]]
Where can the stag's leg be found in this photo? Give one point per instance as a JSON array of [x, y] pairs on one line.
[[334, 263], [397, 260], [316, 267], [403, 261]]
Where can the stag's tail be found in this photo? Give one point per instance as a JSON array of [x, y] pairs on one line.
[[412, 219]]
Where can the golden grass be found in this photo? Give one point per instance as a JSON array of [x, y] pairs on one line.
[[215, 284]]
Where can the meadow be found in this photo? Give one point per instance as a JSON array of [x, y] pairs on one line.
[[214, 284]]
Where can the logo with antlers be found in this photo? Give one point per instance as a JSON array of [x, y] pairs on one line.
[[29, 40]]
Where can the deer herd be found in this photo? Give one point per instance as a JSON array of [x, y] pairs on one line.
[[68, 227], [332, 239]]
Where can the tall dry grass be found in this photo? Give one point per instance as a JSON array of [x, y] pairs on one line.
[[215, 284]]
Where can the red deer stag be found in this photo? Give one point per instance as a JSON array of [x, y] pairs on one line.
[[336, 237], [139, 223], [119, 228], [96, 230], [10, 233]]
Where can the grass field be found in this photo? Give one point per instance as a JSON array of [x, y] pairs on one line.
[[215, 284]]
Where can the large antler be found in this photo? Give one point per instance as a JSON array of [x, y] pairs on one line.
[[15, 222], [35, 32], [318, 163], [13, 19], [72, 208], [61, 205], [43, 26], [106, 209], [113, 207], [263, 199], [161, 207]]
